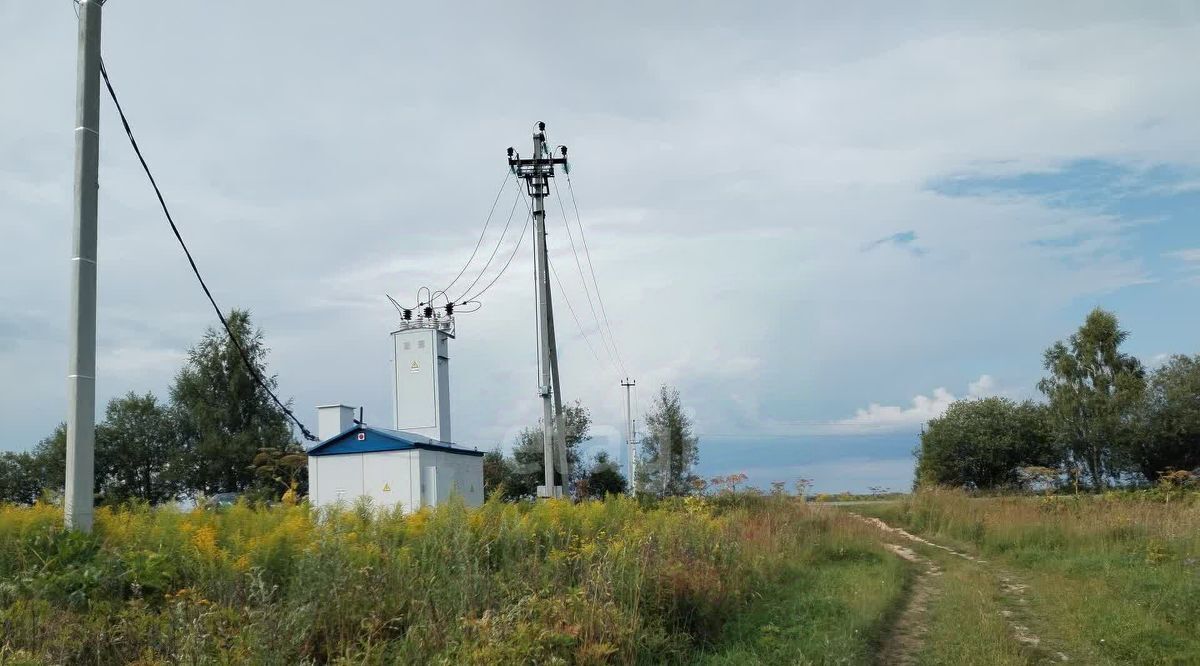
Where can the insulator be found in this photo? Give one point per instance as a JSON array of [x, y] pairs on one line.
[[406, 315], [541, 126], [449, 309], [428, 312], [510, 152]]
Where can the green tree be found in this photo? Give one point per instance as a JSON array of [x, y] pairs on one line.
[[48, 461], [527, 467], [224, 417], [1093, 390], [1168, 435], [983, 444], [18, 482], [670, 449], [25, 476], [497, 472], [603, 478], [138, 453]]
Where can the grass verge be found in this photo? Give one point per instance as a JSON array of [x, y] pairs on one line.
[[829, 609]]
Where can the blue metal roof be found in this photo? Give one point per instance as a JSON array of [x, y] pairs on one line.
[[368, 439]]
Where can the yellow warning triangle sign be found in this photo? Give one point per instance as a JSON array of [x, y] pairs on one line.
[[387, 488]]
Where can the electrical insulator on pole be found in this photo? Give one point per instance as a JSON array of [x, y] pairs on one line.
[[536, 172]]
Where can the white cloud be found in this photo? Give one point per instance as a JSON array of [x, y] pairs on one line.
[[1190, 258], [921, 410], [1190, 255], [730, 166], [983, 387]]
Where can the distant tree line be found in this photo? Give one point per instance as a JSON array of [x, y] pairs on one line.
[[218, 432], [1105, 421], [668, 454]]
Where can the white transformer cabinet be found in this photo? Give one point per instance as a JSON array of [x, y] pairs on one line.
[[414, 464], [392, 469], [421, 378]]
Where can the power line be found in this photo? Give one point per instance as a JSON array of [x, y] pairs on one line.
[[499, 242], [432, 295], [517, 246], [592, 268], [582, 279], [571, 308], [220, 315], [479, 242], [582, 334]]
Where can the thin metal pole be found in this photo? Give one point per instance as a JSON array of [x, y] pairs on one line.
[[539, 184], [81, 363]]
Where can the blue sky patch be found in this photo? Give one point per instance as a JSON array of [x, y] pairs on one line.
[[905, 239]]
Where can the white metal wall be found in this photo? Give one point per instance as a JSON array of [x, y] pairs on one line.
[[421, 382], [334, 478], [456, 472], [410, 479]]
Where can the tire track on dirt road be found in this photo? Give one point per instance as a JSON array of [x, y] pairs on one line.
[[904, 642]]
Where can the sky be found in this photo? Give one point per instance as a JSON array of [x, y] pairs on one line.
[[823, 224]]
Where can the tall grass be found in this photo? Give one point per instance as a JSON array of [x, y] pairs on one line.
[[1118, 523], [595, 582]]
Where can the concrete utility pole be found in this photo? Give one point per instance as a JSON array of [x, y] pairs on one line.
[[81, 363], [536, 171], [631, 439], [560, 426]]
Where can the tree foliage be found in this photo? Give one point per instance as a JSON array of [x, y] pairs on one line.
[[138, 451], [223, 416], [497, 470], [1168, 420], [983, 444], [603, 478], [219, 433], [670, 449], [18, 481], [518, 476], [48, 462], [1093, 390], [527, 470]]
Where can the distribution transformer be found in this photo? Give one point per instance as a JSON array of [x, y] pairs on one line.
[[413, 464]]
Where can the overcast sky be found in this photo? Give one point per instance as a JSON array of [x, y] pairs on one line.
[[821, 224]]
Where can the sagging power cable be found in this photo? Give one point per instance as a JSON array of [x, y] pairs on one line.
[[592, 268], [609, 345], [258, 379]]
